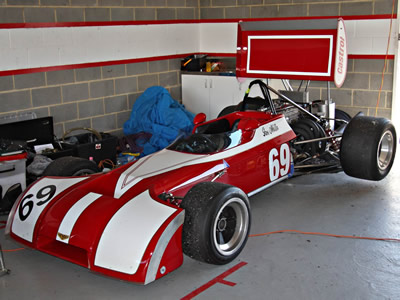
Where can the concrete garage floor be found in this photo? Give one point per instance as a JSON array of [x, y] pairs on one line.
[[278, 266]]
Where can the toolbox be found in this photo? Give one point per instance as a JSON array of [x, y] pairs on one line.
[[195, 62], [40, 131]]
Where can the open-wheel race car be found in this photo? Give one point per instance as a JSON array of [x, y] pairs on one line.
[[136, 221]]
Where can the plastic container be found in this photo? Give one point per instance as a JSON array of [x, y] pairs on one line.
[[12, 171]]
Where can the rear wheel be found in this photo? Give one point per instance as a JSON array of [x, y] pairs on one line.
[[368, 147], [70, 166], [341, 118], [217, 222]]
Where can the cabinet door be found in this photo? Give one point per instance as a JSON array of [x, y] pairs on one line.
[[223, 91], [196, 94], [256, 91]]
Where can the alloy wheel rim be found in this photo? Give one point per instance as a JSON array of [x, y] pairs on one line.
[[230, 226], [385, 150]]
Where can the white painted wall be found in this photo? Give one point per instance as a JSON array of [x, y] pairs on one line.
[[396, 80], [218, 37], [369, 37], [25, 48]]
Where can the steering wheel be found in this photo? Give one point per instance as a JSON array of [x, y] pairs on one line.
[[200, 143]]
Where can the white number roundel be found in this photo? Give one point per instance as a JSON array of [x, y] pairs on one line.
[[279, 162]]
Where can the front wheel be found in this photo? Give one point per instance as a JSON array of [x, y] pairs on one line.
[[368, 147], [217, 222]]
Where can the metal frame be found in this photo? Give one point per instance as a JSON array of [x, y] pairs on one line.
[[3, 269]]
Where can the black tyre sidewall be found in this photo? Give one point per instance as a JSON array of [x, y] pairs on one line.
[[359, 147], [218, 202], [198, 242]]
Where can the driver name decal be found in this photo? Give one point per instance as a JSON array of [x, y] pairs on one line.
[[272, 128]]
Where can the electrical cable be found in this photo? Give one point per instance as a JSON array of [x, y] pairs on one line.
[[104, 162], [12, 250], [326, 234], [386, 59]]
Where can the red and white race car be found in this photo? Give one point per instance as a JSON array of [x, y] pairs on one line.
[[135, 222]]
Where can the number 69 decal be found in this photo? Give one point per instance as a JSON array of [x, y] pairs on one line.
[[44, 195], [279, 162], [34, 203]]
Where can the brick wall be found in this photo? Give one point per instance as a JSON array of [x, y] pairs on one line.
[[361, 88], [103, 97], [217, 9], [100, 97], [21, 11]]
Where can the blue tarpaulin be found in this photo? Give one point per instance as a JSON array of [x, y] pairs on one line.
[[157, 113]]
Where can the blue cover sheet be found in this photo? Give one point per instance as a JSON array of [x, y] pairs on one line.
[[157, 113]]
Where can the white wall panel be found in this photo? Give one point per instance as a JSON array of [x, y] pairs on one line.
[[45, 47], [359, 45], [24, 48], [369, 37], [13, 58], [60, 37], [73, 55], [43, 56], [5, 38], [218, 37]]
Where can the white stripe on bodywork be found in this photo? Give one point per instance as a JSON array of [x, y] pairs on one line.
[[154, 265], [213, 170], [24, 229], [157, 163], [128, 233], [168, 160], [69, 220]]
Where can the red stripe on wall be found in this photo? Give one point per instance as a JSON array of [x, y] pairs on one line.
[[161, 22], [91, 65], [138, 60]]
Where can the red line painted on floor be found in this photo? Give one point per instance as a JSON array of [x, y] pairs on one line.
[[3, 222], [218, 279]]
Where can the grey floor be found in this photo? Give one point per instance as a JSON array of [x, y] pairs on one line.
[[278, 266]]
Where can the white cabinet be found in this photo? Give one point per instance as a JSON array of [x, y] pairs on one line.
[[208, 94], [212, 93]]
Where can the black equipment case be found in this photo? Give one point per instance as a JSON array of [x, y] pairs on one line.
[[41, 131]]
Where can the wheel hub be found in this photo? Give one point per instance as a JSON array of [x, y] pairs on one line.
[[221, 226], [385, 150], [230, 226]]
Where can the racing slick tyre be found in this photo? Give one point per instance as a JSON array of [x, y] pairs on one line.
[[368, 147], [70, 166], [341, 116], [217, 222]]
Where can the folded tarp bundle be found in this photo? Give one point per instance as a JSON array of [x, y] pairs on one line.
[[157, 113]]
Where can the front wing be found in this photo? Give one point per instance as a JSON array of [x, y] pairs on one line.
[[138, 240]]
